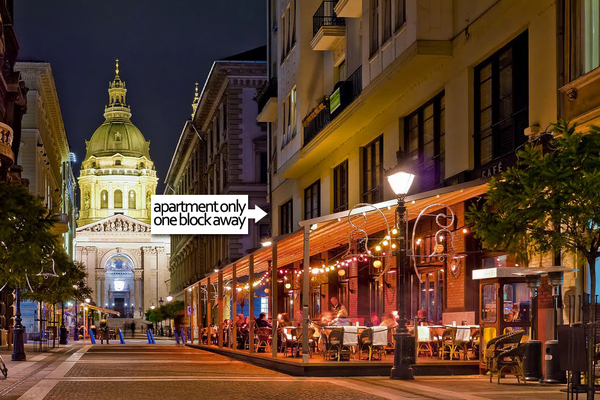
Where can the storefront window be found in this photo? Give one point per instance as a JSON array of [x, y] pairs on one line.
[[516, 302], [489, 303]]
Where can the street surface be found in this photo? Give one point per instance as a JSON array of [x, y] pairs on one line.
[[165, 371]]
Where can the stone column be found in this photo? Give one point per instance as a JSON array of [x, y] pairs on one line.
[[98, 292], [102, 291], [136, 301]]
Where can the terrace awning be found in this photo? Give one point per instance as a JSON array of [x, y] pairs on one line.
[[331, 230]]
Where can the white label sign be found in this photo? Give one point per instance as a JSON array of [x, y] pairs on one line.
[[202, 214]]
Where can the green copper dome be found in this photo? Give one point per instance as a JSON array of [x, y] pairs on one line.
[[114, 137], [117, 134]]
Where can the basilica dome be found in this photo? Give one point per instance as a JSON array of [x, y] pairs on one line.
[[117, 135], [121, 137]]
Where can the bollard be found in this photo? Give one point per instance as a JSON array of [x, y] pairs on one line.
[[152, 337], [176, 338], [92, 338], [148, 336], [183, 337], [121, 339]]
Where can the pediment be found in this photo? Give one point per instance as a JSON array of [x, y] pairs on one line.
[[116, 223]]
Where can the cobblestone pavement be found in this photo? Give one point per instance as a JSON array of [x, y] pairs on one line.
[[173, 372]]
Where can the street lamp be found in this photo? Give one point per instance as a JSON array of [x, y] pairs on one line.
[[169, 298], [161, 302], [400, 180], [152, 307]]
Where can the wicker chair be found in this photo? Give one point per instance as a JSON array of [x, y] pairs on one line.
[[365, 343], [263, 338], [512, 359], [446, 344], [496, 348], [333, 344]]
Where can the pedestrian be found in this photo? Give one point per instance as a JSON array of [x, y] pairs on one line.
[[104, 332], [132, 326]]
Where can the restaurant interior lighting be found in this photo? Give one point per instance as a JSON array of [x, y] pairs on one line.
[[87, 300], [266, 243]]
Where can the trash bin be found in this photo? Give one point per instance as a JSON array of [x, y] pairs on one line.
[[552, 371], [532, 361]]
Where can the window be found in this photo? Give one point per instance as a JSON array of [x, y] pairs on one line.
[[387, 20], [104, 199], [292, 20], [501, 102], [118, 199], [424, 142], [288, 29], [489, 303], [374, 12], [289, 117], [400, 13], [225, 170], [264, 305], [283, 26], [340, 187], [584, 40], [117, 162], [131, 198], [312, 200], [263, 167], [372, 171], [286, 218]]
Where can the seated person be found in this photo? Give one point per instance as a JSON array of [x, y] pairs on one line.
[[284, 320], [374, 321], [341, 319], [262, 322]]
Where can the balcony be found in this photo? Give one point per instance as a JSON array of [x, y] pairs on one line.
[[349, 8], [7, 156], [344, 94], [328, 29], [267, 102]]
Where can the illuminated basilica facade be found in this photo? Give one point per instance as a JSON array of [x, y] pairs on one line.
[[127, 266]]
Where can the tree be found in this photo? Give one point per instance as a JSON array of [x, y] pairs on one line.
[[25, 241], [25, 226], [549, 200]]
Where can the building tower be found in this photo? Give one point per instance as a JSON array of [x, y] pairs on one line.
[[127, 266], [117, 175]]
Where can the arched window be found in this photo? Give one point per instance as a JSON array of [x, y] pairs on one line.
[[118, 199], [131, 198], [104, 199]]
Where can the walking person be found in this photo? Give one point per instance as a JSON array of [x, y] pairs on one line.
[[104, 332], [132, 326]]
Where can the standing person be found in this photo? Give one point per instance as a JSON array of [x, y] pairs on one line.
[[337, 307], [132, 326], [104, 332]]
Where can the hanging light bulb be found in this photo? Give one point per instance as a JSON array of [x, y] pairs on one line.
[[394, 231], [378, 248], [377, 264], [287, 285], [341, 272], [385, 242]]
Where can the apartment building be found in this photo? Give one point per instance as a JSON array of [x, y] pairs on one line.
[[356, 86], [221, 150]]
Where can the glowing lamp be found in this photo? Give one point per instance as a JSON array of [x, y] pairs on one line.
[[400, 181]]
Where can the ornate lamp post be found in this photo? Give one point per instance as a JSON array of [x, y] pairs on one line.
[[400, 180]]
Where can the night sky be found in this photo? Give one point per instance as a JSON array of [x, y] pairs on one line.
[[163, 48]]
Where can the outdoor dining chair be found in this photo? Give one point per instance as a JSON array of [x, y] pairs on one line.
[[379, 341], [349, 341], [333, 343], [263, 338], [365, 343]]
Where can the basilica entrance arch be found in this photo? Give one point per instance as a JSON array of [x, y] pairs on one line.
[[119, 278]]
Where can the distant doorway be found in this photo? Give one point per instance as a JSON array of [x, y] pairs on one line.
[[120, 306]]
